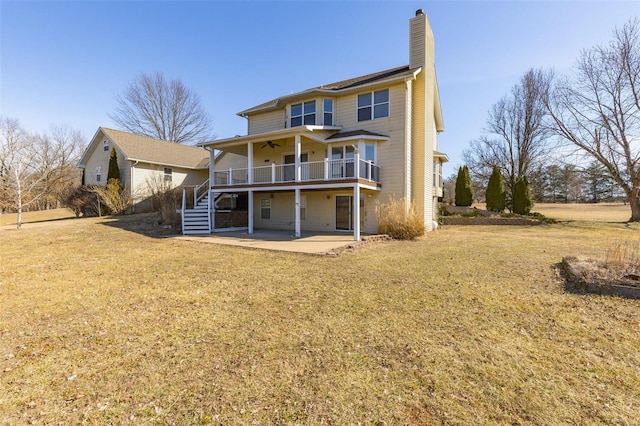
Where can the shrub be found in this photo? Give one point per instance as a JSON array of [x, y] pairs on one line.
[[495, 195], [522, 201], [114, 198], [464, 188], [79, 199], [395, 220], [114, 170], [164, 199]]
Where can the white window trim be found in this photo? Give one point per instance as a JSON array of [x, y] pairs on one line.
[[332, 112], [373, 105], [303, 115]]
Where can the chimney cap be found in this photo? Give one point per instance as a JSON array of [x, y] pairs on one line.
[[419, 12]]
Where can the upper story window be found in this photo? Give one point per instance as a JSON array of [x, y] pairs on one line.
[[105, 146], [303, 113], [168, 174], [328, 112], [98, 174], [373, 105]]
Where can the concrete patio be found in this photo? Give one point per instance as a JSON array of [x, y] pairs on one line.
[[309, 242]]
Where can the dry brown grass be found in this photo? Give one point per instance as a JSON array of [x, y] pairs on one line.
[[39, 216], [467, 325], [601, 212]]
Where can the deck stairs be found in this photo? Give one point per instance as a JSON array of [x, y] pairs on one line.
[[197, 220]]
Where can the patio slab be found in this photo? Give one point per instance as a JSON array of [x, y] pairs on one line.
[[310, 243]]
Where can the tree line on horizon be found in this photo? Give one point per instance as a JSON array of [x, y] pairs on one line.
[[573, 138]]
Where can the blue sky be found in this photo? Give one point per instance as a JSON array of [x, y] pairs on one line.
[[64, 62]]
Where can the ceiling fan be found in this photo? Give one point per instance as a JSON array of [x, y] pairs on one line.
[[269, 144]]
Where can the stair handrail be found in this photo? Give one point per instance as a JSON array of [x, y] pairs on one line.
[[198, 194]]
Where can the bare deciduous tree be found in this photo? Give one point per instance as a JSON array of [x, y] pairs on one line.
[[518, 139], [598, 110], [58, 153], [167, 110], [22, 182]]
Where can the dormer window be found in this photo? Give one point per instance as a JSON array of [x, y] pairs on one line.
[[373, 105], [303, 113]]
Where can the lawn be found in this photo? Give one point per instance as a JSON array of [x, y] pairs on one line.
[[469, 325]]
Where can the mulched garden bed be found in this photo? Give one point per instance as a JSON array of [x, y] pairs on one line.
[[587, 275]]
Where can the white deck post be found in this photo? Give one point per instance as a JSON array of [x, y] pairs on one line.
[[356, 212], [250, 213], [250, 163], [297, 212], [297, 155], [273, 172], [212, 181], [326, 169], [212, 172], [356, 170]]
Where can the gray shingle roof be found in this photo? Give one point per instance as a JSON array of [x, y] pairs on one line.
[[350, 83], [351, 133], [156, 151]]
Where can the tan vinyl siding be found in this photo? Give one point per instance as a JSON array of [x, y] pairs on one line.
[[408, 193], [267, 122], [390, 154], [230, 160], [320, 211], [100, 158], [145, 174]]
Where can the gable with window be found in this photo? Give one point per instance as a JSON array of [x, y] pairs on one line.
[[373, 105]]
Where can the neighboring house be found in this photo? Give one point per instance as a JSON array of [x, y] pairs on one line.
[[321, 159], [142, 161]]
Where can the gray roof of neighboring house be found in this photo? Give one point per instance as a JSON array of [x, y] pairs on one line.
[[151, 150], [377, 77]]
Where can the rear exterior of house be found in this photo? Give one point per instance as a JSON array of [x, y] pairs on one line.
[[321, 159]]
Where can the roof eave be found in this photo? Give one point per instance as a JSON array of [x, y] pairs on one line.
[[307, 131], [280, 102]]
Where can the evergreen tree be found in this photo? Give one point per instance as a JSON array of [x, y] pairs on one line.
[[464, 188], [114, 170], [495, 194], [522, 201]]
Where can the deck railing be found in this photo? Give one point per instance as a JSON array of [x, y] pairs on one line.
[[325, 170]]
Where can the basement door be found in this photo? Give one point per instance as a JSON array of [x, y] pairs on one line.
[[344, 212]]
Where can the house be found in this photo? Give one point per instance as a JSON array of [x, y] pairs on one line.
[[142, 161], [321, 159]]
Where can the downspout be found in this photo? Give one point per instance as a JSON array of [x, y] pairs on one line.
[[132, 186]]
